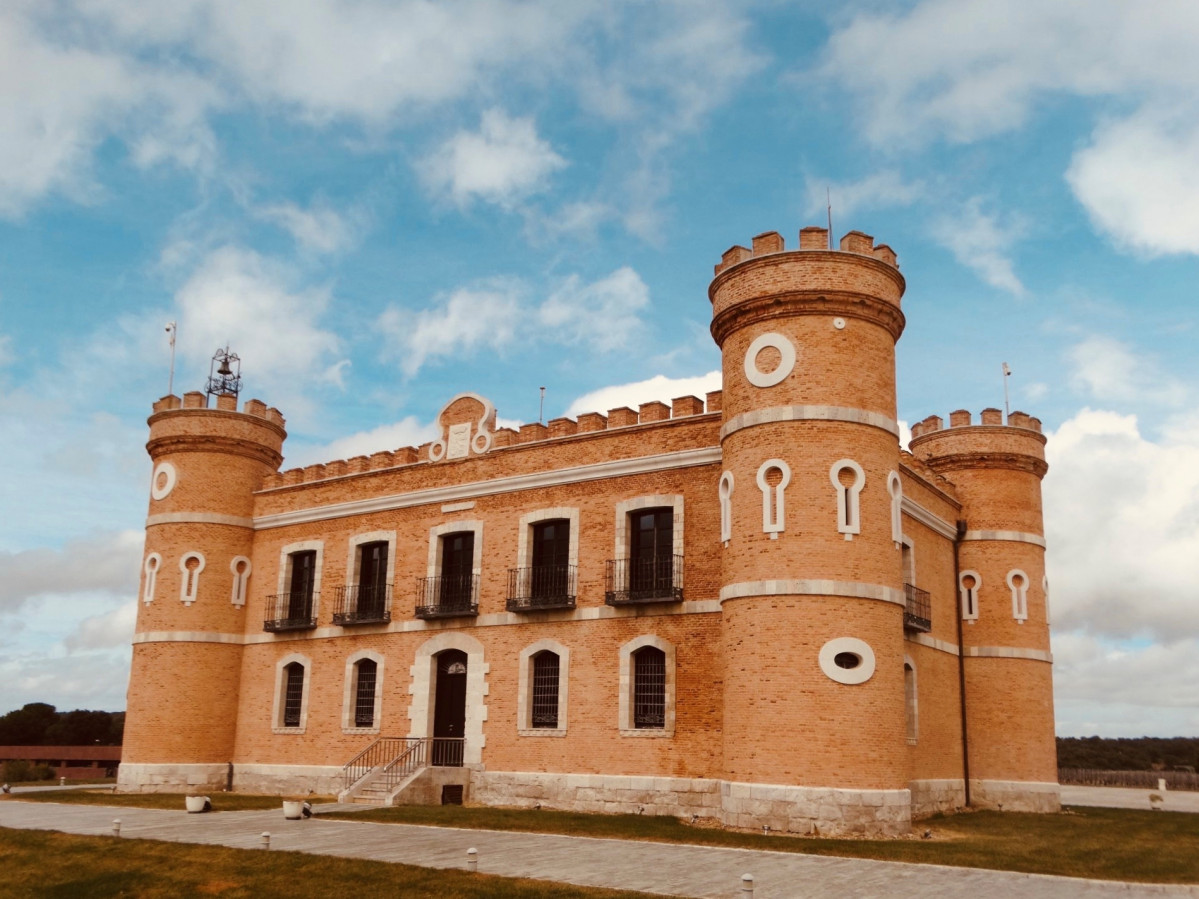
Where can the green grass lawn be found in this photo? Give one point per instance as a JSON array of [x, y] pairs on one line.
[[48, 865], [1109, 844], [221, 802]]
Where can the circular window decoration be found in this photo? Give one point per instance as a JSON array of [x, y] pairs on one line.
[[786, 351], [847, 660], [163, 481]]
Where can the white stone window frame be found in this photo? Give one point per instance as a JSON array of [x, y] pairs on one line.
[[849, 504], [455, 527], [189, 582], [895, 489], [911, 701], [285, 554], [625, 704], [724, 492], [422, 704], [524, 695], [350, 696], [524, 539], [786, 351], [849, 676], [241, 580], [908, 560], [170, 477], [1019, 594], [1045, 594], [968, 596], [150, 568], [281, 690], [625, 509], [774, 507], [352, 550]]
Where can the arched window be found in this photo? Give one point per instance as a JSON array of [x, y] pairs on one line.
[[725, 492], [910, 700], [1017, 580], [969, 583], [293, 694], [365, 672], [895, 488], [774, 512], [290, 714], [191, 564], [240, 566], [153, 563], [649, 688], [545, 690], [848, 479]]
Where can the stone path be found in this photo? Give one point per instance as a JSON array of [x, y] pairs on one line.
[[666, 869], [1124, 797]]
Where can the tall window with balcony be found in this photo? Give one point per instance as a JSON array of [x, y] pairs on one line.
[[294, 610], [549, 583], [454, 591], [369, 600], [652, 572]]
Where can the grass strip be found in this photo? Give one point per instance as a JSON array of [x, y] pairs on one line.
[[49, 865], [1106, 844], [221, 802]]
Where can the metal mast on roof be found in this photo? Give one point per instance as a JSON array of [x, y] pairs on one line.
[[172, 329], [1007, 410], [224, 373]]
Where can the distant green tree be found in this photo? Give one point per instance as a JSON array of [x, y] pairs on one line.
[[27, 725]]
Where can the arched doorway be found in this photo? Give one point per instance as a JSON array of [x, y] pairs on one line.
[[449, 708]]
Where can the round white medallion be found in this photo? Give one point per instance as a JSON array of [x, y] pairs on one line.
[[839, 323], [786, 350], [847, 660], [163, 481]]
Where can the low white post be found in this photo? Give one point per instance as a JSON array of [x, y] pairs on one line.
[[472, 860], [62, 781], [747, 886], [116, 827], [1161, 785], [265, 842]]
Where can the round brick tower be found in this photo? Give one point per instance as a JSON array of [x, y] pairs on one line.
[[187, 652], [997, 470], [812, 588]]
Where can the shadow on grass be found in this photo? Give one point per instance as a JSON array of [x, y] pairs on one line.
[[1107, 844]]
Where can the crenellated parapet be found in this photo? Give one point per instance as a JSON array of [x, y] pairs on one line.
[[990, 443]]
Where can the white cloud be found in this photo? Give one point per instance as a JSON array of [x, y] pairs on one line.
[[982, 242], [101, 562], [409, 431], [1139, 182], [1122, 524], [503, 162], [105, 631], [236, 296], [318, 228], [1110, 371], [634, 394], [603, 313], [875, 191]]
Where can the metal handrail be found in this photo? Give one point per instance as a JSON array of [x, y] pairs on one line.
[[448, 597], [918, 611], [653, 579], [412, 758], [363, 604], [378, 754], [290, 611], [542, 587]]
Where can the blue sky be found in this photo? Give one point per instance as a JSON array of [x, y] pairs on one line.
[[381, 204]]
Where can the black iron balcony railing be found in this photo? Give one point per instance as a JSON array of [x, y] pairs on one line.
[[290, 612], [453, 596], [918, 610], [656, 579], [363, 604], [541, 587]]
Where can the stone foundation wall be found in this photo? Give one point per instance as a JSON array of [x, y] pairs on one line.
[[135, 778], [1016, 796], [932, 796], [288, 780], [802, 810], [426, 789]]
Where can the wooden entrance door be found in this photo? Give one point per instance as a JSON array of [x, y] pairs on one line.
[[449, 709]]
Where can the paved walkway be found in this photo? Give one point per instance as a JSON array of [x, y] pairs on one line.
[[666, 869], [1123, 797]]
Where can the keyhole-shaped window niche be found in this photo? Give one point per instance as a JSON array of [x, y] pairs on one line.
[[1045, 593], [848, 478], [190, 567], [725, 491], [895, 489], [1017, 580], [240, 566], [152, 564], [968, 585], [773, 477]]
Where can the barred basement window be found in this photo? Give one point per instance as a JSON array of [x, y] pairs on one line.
[[545, 689], [649, 688], [364, 693], [293, 696]]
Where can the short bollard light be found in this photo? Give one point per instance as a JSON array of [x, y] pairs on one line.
[[747, 886], [472, 860], [265, 842], [116, 827], [62, 781]]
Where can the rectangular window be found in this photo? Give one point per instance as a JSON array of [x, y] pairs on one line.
[[457, 570], [293, 695], [372, 578], [545, 689], [364, 696], [651, 553], [551, 559], [303, 580]]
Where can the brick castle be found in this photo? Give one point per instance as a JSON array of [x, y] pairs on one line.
[[755, 608]]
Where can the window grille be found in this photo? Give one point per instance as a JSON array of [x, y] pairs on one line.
[[545, 689], [293, 697], [364, 698], [649, 688]]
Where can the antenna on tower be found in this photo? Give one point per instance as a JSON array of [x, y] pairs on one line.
[[828, 197], [541, 409], [172, 329], [1007, 410]]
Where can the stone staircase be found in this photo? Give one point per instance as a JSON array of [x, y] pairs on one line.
[[414, 767]]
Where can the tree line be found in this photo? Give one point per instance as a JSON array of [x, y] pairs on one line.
[[1129, 753], [41, 724]]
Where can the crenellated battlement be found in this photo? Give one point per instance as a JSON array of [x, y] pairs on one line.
[[503, 438], [196, 399], [810, 238], [962, 418], [986, 444]]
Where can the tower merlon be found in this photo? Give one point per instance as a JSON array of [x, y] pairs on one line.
[[811, 238], [989, 443]]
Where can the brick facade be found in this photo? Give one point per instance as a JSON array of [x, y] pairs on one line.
[[730, 602]]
